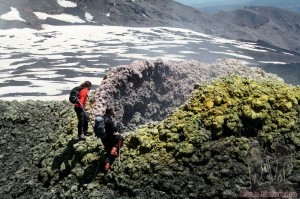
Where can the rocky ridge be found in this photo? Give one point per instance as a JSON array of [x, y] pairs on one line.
[[197, 150], [200, 149], [146, 91]]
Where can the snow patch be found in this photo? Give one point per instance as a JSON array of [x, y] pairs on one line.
[[270, 62], [89, 17], [12, 15], [62, 53], [61, 17], [288, 54], [66, 4], [233, 54]]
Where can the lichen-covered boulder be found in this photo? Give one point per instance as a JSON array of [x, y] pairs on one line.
[[199, 150], [244, 107], [203, 149], [147, 91]]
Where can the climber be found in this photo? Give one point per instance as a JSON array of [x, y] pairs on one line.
[[113, 140], [79, 107]]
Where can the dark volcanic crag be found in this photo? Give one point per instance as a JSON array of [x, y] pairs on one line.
[[147, 91]]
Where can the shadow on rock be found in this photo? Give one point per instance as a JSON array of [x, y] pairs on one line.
[[94, 169], [67, 163], [65, 156]]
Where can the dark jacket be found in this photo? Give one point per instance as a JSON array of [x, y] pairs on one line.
[[110, 128]]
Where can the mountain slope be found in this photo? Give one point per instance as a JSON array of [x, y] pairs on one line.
[[272, 25], [292, 5], [106, 12], [275, 26], [217, 5]]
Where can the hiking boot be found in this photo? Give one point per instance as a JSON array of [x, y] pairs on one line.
[[87, 133], [106, 166], [114, 152]]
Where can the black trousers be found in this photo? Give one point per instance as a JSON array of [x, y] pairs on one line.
[[83, 120], [109, 143]]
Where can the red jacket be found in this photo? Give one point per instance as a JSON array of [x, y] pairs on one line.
[[82, 97]]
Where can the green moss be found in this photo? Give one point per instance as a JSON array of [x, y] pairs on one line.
[[90, 157], [246, 105], [184, 149], [233, 108], [211, 132], [295, 137], [83, 148]]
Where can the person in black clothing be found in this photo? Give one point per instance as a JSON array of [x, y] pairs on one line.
[[113, 140]]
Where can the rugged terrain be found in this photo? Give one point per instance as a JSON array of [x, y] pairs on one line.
[[148, 90], [199, 149]]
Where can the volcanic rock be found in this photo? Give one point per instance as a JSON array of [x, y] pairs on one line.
[[147, 91]]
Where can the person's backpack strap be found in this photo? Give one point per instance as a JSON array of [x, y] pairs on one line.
[[73, 97]]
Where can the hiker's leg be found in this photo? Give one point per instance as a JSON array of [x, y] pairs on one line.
[[107, 163], [107, 158], [79, 113], [108, 146], [85, 122]]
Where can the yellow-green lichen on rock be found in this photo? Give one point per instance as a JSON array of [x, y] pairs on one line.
[[247, 105], [234, 104], [220, 118], [204, 140]]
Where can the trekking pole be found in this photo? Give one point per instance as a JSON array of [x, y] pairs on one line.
[[119, 161], [119, 152], [120, 140]]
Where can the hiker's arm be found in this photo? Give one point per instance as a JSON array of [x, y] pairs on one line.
[[82, 96], [112, 126]]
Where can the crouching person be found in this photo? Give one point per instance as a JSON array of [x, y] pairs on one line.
[[109, 133]]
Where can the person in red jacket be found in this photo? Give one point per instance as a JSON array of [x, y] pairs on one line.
[[80, 111]]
